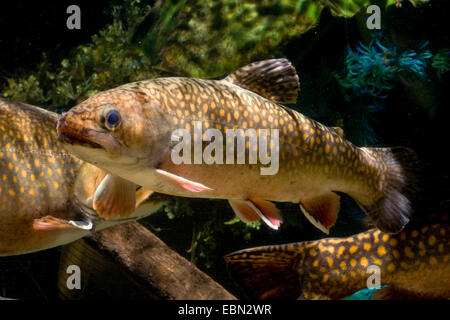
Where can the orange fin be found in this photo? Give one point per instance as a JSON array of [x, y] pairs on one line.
[[322, 210], [49, 223], [243, 210], [253, 210], [114, 197], [183, 182], [269, 210]]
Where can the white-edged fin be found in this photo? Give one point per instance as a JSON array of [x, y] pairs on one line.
[[84, 225], [50, 223], [114, 197], [246, 210], [314, 222], [183, 182]]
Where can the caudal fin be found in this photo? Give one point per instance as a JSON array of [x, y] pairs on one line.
[[391, 208], [266, 272]]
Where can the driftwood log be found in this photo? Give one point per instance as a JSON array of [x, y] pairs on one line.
[[128, 261]]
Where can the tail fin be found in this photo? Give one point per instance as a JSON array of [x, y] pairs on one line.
[[266, 272], [392, 211]]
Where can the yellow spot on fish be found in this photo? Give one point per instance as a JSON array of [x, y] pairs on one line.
[[340, 251], [396, 253], [353, 249], [10, 166], [313, 252], [364, 262], [393, 242], [432, 240], [385, 237], [367, 246], [391, 267], [11, 192], [325, 277], [433, 260], [409, 253], [381, 250], [316, 263], [36, 163], [55, 185], [330, 261], [343, 265], [414, 234]]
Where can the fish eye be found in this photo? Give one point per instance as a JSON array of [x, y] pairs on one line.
[[111, 118]]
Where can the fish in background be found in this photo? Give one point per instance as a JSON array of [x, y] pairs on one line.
[[413, 264], [48, 197], [130, 130]]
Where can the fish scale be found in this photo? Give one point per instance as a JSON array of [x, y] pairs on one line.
[[313, 160], [413, 263]]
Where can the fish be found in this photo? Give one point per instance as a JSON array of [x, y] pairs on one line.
[[412, 264], [47, 195], [151, 133]]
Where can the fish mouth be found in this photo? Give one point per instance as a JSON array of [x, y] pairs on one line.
[[74, 139], [67, 134]]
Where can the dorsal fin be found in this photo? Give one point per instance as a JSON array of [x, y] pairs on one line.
[[339, 131], [274, 79]]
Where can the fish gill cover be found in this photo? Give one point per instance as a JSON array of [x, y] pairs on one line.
[[350, 77]]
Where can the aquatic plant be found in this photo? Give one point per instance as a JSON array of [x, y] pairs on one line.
[[105, 62], [375, 68], [208, 39]]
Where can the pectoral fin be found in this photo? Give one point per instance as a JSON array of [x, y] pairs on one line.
[[49, 223], [114, 197], [255, 209], [183, 182], [322, 210]]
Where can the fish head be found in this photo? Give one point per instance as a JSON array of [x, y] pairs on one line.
[[113, 128]]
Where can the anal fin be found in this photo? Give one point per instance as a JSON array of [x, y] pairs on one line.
[[322, 210]]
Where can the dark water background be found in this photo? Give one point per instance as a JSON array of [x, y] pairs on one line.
[[413, 115]]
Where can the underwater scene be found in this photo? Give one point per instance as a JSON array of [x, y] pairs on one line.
[[225, 150]]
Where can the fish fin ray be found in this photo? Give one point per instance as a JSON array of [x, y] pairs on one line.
[[274, 79], [269, 210], [322, 210], [114, 197], [266, 272], [254, 210], [50, 223], [391, 210], [339, 131], [183, 182]]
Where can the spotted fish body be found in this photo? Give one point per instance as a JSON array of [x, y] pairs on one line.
[[37, 180], [414, 264], [314, 160]]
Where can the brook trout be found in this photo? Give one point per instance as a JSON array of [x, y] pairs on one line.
[[151, 133], [47, 195], [413, 264]]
